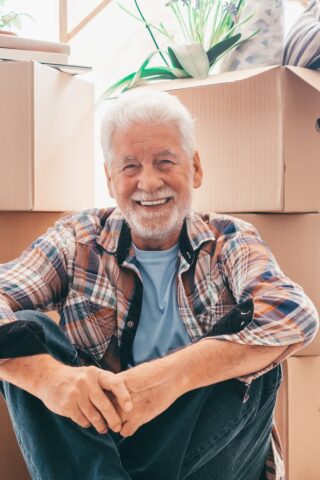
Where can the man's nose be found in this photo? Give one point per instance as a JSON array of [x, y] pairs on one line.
[[149, 180]]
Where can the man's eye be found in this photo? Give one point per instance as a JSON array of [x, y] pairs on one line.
[[165, 161], [130, 166]]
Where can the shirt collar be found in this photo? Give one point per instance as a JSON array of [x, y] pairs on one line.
[[115, 236]]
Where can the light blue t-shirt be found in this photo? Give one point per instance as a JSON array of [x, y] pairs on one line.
[[160, 327]]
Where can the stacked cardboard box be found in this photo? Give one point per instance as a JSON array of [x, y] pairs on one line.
[[47, 167], [17, 232], [258, 134], [298, 417], [294, 240], [12, 465], [46, 138]]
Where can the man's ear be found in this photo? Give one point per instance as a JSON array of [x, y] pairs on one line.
[[197, 170], [109, 181]]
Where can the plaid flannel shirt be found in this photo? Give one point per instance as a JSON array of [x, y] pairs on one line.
[[84, 268]]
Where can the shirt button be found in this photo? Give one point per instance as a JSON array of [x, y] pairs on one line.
[[130, 324]]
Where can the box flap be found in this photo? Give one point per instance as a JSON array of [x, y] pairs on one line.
[[218, 78], [312, 77]]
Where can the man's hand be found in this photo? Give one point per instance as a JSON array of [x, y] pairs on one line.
[[81, 393], [152, 388]]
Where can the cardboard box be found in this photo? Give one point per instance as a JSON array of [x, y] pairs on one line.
[[298, 404], [294, 240], [18, 230], [46, 138], [12, 464], [258, 134], [298, 417]]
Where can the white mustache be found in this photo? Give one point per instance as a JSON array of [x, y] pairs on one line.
[[149, 197]]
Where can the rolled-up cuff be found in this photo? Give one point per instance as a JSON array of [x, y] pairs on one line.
[[233, 322], [20, 339]]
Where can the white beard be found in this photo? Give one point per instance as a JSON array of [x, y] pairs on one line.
[[154, 225], [157, 224]]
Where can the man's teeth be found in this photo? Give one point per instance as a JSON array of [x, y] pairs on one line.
[[154, 202]]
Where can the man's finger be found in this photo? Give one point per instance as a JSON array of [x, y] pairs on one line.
[[79, 418], [100, 401], [128, 429], [113, 383], [93, 415]]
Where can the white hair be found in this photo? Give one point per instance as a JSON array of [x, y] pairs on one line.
[[146, 105]]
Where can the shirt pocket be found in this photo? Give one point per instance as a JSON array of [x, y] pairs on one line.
[[102, 295], [103, 307], [106, 318], [90, 321]]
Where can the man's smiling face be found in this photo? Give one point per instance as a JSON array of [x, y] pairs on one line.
[[151, 178]]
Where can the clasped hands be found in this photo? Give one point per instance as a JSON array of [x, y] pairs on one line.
[[122, 402]]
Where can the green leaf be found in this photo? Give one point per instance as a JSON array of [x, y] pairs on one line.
[[139, 72], [193, 59], [149, 29], [154, 73], [175, 62], [115, 86], [148, 77], [143, 72], [169, 71], [221, 47]]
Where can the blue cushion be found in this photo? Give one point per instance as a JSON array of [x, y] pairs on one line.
[[302, 46]]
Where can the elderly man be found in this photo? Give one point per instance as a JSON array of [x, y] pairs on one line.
[[165, 364]]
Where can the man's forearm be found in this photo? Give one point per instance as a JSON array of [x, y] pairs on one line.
[[212, 361], [155, 385], [27, 372]]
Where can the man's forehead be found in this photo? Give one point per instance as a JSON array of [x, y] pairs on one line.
[[161, 134], [146, 141], [166, 152]]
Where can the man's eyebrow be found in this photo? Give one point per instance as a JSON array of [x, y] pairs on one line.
[[128, 158], [165, 153]]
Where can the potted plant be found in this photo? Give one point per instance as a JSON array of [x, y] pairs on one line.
[[10, 20], [209, 30]]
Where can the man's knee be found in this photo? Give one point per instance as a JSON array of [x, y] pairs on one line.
[[55, 342]]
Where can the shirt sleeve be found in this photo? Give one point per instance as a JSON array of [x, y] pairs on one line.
[[283, 314], [39, 278]]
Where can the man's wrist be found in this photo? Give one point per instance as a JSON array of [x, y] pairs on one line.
[[163, 371], [179, 376], [28, 372]]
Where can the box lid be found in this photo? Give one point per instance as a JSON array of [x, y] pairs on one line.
[[311, 77], [217, 78]]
